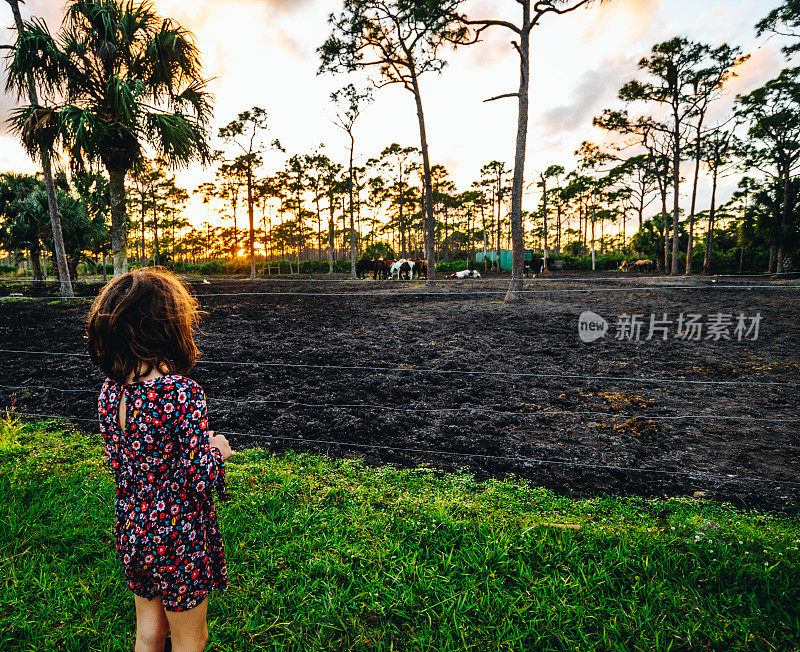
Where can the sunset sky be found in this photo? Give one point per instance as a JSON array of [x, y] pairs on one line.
[[262, 52]]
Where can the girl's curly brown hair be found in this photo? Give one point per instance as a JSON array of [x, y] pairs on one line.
[[141, 321]]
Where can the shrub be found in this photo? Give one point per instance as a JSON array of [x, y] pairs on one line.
[[455, 266]]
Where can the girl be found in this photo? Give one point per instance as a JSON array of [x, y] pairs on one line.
[[164, 459]]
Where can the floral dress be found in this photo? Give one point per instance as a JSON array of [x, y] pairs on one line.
[[166, 527]]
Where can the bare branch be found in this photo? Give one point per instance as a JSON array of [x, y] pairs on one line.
[[546, 7], [500, 97], [491, 23]]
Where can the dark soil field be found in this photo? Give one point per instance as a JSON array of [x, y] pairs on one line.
[[411, 347]]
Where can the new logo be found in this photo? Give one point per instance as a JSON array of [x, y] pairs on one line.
[[591, 326]]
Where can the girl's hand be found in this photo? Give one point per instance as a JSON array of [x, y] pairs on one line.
[[220, 442]]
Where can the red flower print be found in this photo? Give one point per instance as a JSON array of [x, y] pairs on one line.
[[166, 529]]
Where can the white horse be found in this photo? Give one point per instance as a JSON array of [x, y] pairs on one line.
[[402, 266]]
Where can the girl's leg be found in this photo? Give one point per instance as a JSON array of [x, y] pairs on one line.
[[151, 625], [189, 628]]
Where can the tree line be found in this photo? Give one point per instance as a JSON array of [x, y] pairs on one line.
[[118, 77]]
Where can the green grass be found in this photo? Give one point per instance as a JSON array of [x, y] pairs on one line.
[[332, 555]]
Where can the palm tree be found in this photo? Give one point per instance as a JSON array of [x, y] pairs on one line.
[[127, 77], [37, 139]]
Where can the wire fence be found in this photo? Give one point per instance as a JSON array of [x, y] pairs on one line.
[[549, 277], [467, 372], [439, 293], [394, 369], [454, 410], [697, 474]]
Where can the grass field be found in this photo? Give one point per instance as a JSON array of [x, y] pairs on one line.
[[332, 555]]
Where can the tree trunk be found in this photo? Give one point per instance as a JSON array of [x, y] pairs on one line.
[[105, 271], [640, 210], [427, 201], [116, 191], [319, 231], [235, 228], [544, 223], [558, 228], [401, 212], [157, 254], [250, 218], [676, 180], [665, 217], [52, 202], [36, 262], [594, 262], [485, 239], [781, 256], [55, 224], [711, 216], [331, 231], [690, 242], [352, 219], [143, 257], [498, 233]]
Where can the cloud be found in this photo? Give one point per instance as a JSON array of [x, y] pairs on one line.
[[594, 88], [764, 63], [638, 18], [181, 8], [52, 13], [289, 6]]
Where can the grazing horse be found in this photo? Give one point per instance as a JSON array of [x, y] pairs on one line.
[[381, 268], [421, 267], [402, 268], [539, 266], [364, 267], [645, 265]]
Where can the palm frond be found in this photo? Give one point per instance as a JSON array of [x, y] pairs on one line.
[[196, 99], [179, 139], [122, 98], [36, 54]]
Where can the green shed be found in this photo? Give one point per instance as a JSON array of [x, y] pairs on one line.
[[506, 258]]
